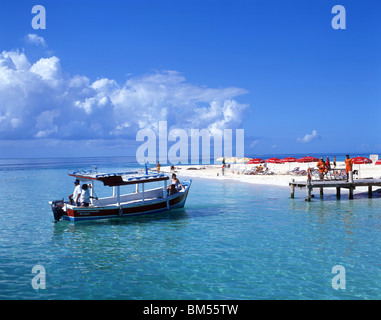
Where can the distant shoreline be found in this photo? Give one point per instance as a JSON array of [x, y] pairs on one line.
[[280, 176]]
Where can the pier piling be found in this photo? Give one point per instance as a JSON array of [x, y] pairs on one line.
[[293, 189], [350, 193], [338, 191]]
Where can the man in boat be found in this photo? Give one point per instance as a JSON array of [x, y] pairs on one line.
[[74, 197], [175, 185], [85, 195]]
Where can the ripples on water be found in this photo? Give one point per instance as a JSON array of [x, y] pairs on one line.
[[231, 241]]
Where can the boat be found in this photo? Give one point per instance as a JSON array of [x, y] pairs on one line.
[[140, 201]]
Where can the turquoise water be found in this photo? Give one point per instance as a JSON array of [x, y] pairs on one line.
[[231, 241]]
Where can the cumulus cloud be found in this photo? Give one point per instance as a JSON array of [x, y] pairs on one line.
[[40, 100], [35, 39], [309, 137]]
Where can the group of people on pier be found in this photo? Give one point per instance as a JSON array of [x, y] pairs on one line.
[[324, 167]]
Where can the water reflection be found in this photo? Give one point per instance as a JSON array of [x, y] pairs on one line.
[[83, 226]]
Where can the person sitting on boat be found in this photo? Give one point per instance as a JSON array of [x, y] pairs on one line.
[[85, 195], [175, 185], [74, 197]]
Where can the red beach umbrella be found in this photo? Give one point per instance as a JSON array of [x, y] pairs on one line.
[[273, 160], [308, 159], [378, 162], [288, 159], [254, 161], [328, 163], [361, 160]]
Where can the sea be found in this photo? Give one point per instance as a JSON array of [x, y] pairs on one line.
[[231, 241]]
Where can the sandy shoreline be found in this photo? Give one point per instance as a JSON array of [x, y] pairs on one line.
[[280, 176]]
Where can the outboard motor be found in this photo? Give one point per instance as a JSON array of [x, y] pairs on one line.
[[57, 208]]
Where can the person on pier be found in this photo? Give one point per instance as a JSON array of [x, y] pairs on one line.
[[322, 168], [348, 168]]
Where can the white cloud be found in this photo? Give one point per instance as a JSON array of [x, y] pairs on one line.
[[309, 137], [47, 68], [254, 143], [35, 39], [14, 60], [41, 100]]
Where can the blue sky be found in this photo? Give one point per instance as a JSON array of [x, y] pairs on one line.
[[101, 71]]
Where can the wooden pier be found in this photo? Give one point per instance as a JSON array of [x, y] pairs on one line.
[[338, 184]]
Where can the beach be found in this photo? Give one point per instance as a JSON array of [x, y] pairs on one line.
[[279, 173]]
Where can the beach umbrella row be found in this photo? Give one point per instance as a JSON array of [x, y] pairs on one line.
[[270, 160], [306, 159]]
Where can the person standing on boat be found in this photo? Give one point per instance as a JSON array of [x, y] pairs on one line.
[[74, 197], [85, 195]]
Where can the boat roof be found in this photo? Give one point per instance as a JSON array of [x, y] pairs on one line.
[[121, 178]]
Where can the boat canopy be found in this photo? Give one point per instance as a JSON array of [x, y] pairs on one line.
[[120, 179]]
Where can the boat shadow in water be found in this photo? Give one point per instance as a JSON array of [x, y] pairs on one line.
[[165, 216], [173, 215]]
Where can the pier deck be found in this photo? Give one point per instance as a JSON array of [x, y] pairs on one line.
[[338, 184]]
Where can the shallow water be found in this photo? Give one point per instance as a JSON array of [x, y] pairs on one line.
[[231, 241]]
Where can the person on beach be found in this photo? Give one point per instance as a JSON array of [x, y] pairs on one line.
[[334, 162], [158, 167], [322, 168], [74, 197], [348, 166], [175, 185], [259, 169]]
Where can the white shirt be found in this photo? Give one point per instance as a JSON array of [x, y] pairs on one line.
[[76, 192], [85, 196]]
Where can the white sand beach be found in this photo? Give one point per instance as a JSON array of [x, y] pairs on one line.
[[279, 173]]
